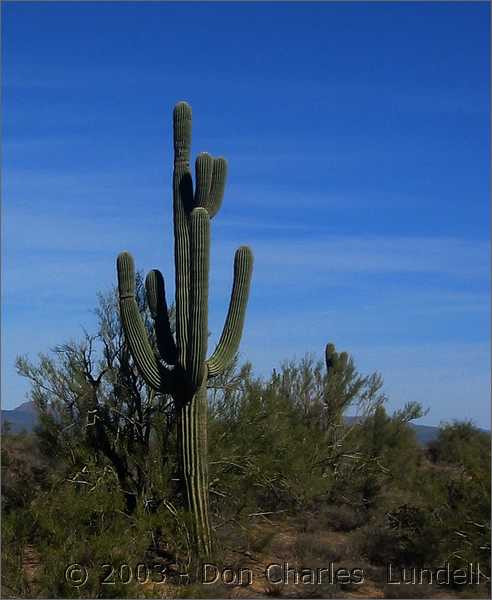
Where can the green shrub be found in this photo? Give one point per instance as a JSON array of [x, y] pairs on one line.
[[314, 550], [343, 517]]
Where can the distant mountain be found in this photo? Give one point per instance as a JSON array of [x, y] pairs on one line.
[[28, 406], [425, 433], [24, 418]]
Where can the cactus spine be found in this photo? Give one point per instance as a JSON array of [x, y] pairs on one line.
[[183, 369]]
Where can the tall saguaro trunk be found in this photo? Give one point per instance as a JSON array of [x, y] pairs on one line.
[[182, 369], [192, 446]]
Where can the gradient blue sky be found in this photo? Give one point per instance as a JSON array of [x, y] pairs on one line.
[[357, 136]]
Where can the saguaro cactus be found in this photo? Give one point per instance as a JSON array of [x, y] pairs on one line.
[[336, 397], [335, 363], [182, 369]]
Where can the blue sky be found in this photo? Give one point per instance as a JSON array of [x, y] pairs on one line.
[[357, 136]]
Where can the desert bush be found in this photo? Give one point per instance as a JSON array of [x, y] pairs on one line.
[[271, 450], [315, 550], [17, 526], [342, 517], [377, 544], [24, 470], [261, 457], [83, 520], [382, 467], [457, 486], [260, 541], [462, 443], [93, 405]]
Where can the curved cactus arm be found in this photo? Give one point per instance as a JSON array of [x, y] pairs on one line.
[[156, 298], [219, 176], [183, 204], [198, 319], [231, 334], [204, 165], [154, 374]]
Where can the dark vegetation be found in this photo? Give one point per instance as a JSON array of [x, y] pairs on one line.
[[290, 481]]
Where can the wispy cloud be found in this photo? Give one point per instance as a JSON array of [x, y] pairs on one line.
[[74, 246], [326, 254]]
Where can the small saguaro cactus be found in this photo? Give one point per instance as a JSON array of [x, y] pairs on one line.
[[335, 363], [183, 369], [338, 374]]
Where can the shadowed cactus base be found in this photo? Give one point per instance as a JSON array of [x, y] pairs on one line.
[[182, 368]]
